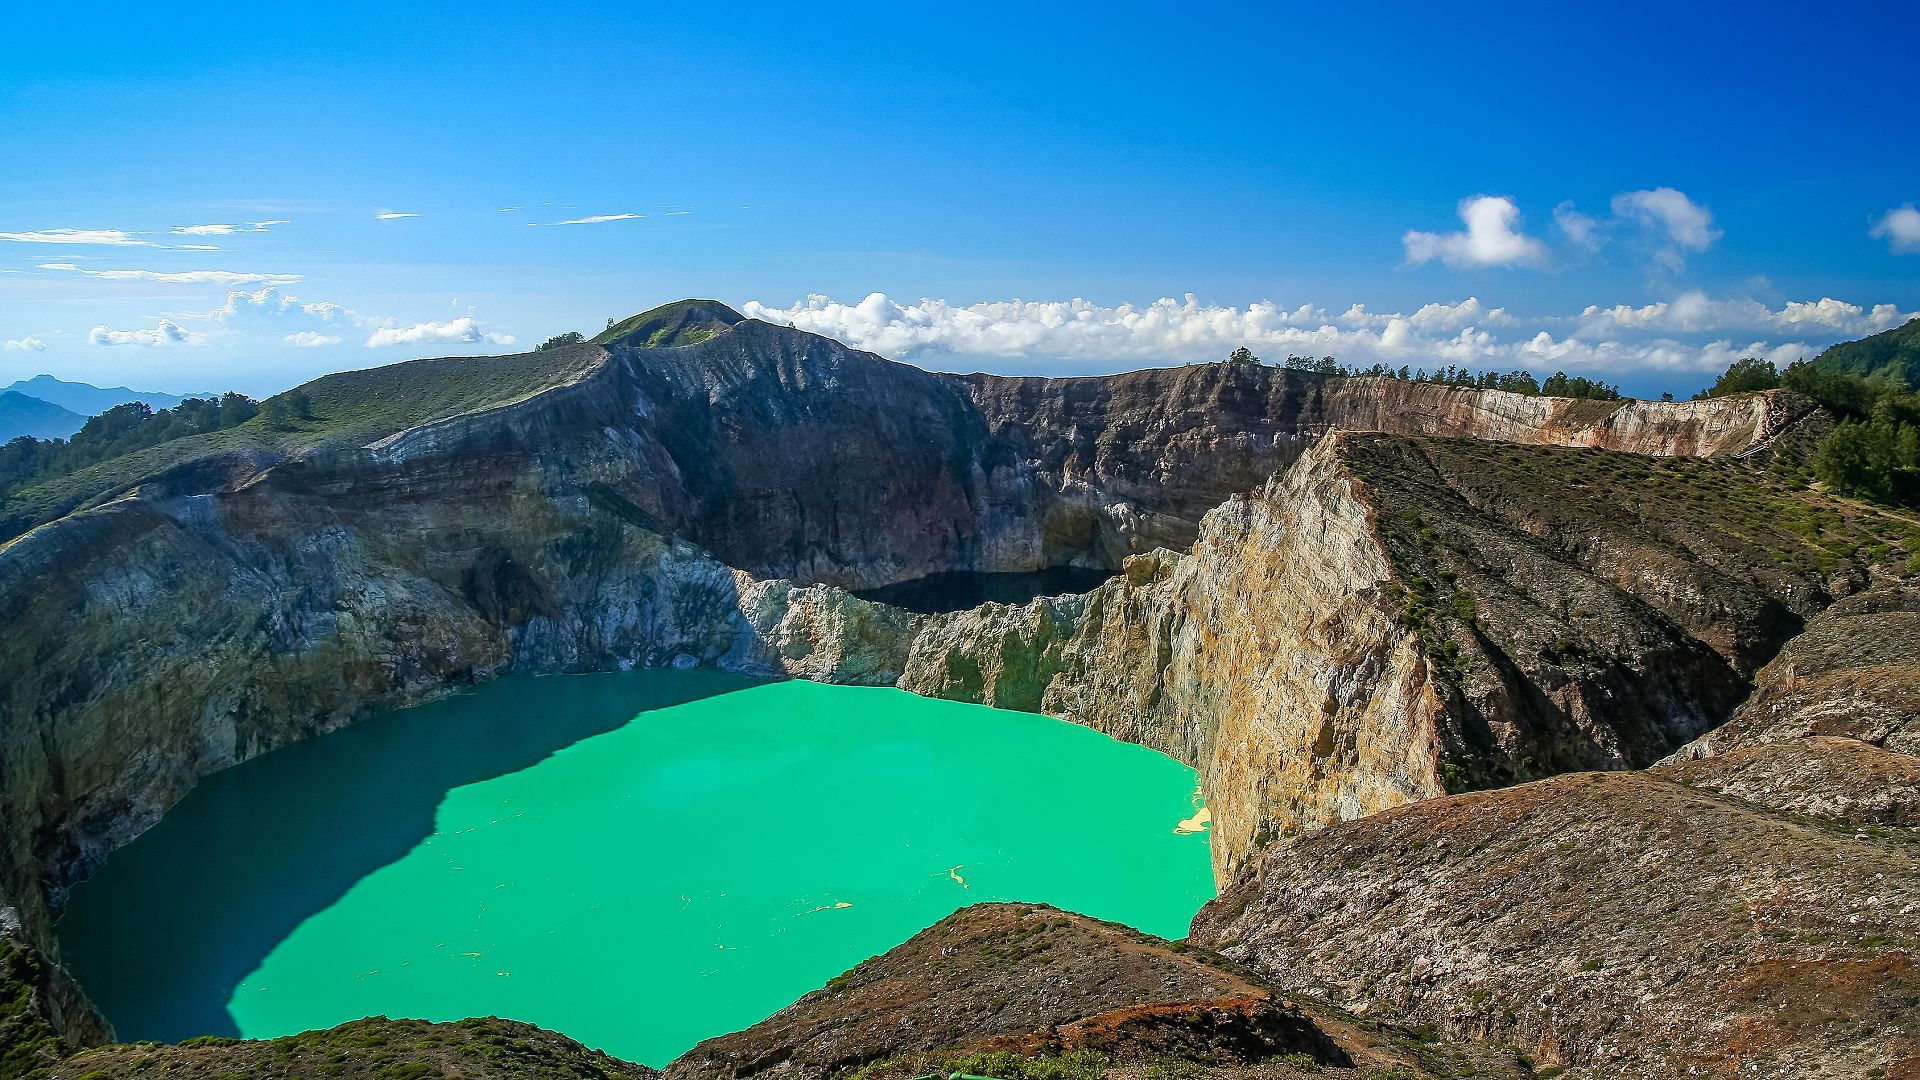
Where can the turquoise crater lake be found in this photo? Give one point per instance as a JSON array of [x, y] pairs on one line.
[[640, 860]]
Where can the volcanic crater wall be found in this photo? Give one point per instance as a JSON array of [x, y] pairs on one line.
[[706, 504]]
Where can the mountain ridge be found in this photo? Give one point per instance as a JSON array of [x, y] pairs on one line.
[[87, 399], [1319, 654], [21, 414]]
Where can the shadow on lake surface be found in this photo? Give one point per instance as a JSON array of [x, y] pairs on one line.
[[961, 590], [198, 901]]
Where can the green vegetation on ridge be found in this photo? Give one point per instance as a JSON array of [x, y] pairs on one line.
[[350, 408], [1892, 354], [1559, 384], [670, 326], [1874, 452]]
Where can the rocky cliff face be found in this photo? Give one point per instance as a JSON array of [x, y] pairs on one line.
[[705, 503], [1019, 981], [376, 1048], [1391, 619], [1624, 924], [1140, 457]]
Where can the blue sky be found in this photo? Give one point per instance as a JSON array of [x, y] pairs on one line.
[[1636, 192]]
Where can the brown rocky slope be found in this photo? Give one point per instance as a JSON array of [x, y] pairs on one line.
[[176, 621], [1631, 925], [701, 503], [1392, 619], [997, 984]]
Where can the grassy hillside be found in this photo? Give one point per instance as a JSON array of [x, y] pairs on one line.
[[350, 408], [1894, 354], [669, 326]]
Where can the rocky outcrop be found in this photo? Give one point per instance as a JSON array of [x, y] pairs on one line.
[[1140, 457], [1854, 673], [1024, 981], [43, 1016], [1392, 619], [616, 505], [1832, 728], [1628, 925], [372, 1049]]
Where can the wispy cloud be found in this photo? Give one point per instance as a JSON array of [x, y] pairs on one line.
[[226, 230], [594, 220], [166, 333], [108, 237], [1581, 230], [1672, 224], [25, 344], [463, 330], [182, 277], [1490, 239], [392, 215], [309, 339], [1900, 228]]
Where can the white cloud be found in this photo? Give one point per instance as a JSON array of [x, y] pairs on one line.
[[1436, 316], [183, 277], [1489, 240], [25, 344], [312, 323], [166, 333], [463, 330], [594, 220], [1900, 228], [390, 215], [1177, 331], [1674, 223], [270, 306], [225, 230], [1695, 312], [108, 237], [1582, 230]]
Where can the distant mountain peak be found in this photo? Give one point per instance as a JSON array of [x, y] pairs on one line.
[[669, 326], [90, 400], [23, 414]]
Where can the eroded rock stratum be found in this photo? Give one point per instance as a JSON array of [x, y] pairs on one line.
[[1340, 599]]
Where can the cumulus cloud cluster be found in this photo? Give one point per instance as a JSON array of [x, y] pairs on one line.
[[1490, 239], [272, 307], [302, 323], [1696, 312], [25, 344], [1900, 228], [460, 331], [167, 332], [1600, 341], [1662, 223]]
